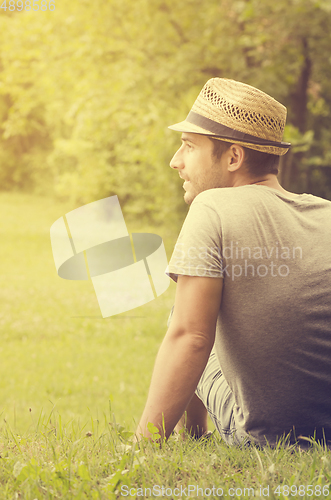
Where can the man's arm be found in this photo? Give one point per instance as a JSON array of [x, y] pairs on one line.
[[184, 352]]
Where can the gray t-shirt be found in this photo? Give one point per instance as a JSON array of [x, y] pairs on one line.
[[273, 336]]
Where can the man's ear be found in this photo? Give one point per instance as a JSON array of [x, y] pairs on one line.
[[236, 155]]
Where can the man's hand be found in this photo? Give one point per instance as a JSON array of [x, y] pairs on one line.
[[183, 354]]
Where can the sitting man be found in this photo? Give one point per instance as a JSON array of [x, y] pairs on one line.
[[250, 337]]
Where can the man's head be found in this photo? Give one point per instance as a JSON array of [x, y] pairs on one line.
[[236, 131], [256, 163]]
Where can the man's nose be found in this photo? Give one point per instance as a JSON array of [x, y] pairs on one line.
[[177, 160]]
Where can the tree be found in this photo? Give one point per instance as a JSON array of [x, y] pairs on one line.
[[88, 91]]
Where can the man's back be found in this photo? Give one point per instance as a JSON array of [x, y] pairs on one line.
[[273, 337]]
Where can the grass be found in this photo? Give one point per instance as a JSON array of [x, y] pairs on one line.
[[73, 384], [60, 460], [56, 349]]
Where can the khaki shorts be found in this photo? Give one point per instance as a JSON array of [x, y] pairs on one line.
[[219, 401]]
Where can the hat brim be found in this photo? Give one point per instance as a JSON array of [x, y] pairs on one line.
[[186, 126]]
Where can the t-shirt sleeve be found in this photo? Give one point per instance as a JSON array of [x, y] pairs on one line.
[[198, 248]]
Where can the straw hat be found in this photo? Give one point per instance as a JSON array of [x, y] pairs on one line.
[[237, 113]]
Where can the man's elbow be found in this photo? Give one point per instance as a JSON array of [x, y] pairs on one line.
[[198, 339]]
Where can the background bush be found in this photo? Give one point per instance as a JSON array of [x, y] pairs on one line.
[[87, 91]]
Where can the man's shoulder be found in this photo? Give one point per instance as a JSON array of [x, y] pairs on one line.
[[253, 195], [242, 195]]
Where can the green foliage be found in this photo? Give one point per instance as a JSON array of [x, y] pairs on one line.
[[87, 91], [155, 433]]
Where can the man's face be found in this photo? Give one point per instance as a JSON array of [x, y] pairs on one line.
[[197, 166]]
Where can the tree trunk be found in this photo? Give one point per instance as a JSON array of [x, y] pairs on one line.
[[298, 107], [300, 95]]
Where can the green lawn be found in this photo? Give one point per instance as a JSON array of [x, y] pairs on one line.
[[62, 365], [56, 348]]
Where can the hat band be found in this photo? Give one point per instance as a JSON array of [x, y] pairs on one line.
[[229, 133]]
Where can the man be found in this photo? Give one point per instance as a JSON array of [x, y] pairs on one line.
[[250, 336]]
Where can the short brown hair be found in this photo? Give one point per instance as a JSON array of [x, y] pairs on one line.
[[257, 163]]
